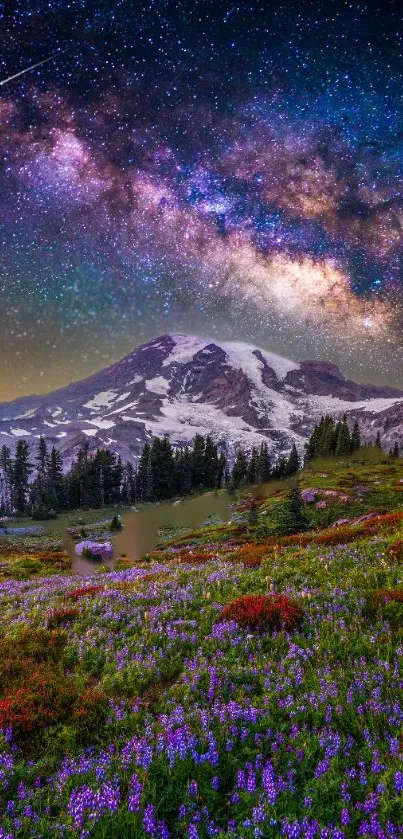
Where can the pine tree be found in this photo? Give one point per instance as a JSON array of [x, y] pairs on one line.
[[290, 517], [6, 468], [355, 437], [252, 471], [142, 474], [378, 443], [343, 440], [263, 471], [210, 463], [198, 462], [41, 494], [55, 479], [239, 469], [396, 450], [293, 462], [21, 472], [330, 438], [162, 467], [129, 484], [149, 485], [280, 470], [183, 471], [222, 470]]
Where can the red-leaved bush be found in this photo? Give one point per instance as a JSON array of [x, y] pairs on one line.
[[262, 612], [251, 562], [85, 591], [35, 691], [59, 617], [382, 596], [395, 551], [195, 558]]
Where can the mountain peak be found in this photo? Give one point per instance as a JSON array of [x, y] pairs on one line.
[[180, 385]]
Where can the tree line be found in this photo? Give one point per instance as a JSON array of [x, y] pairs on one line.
[[333, 438], [37, 484]]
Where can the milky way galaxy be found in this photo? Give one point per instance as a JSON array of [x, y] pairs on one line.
[[232, 170]]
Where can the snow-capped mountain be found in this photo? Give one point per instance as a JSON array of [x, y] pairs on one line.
[[181, 385]]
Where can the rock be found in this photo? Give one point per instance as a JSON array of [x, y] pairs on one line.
[[340, 522]]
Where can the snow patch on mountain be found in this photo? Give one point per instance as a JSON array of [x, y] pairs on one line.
[[158, 385], [101, 423], [20, 432], [334, 405], [186, 346], [243, 356], [102, 399]]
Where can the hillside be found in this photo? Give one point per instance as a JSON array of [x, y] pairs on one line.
[[182, 385], [141, 703]]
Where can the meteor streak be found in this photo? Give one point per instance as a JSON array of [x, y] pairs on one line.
[[31, 67]]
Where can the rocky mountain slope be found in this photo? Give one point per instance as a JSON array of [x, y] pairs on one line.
[[181, 385]]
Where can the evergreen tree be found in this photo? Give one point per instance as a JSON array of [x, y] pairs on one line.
[[40, 493], [149, 485], [343, 446], [198, 462], [263, 471], [378, 443], [222, 471], [355, 437], [142, 474], [290, 517], [239, 469], [280, 470], [55, 479], [6, 469], [293, 463], [21, 472], [129, 494], [210, 463], [252, 471], [162, 467], [183, 471]]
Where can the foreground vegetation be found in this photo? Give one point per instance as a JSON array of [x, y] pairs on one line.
[[237, 683]]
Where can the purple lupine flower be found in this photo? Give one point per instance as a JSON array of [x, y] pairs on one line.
[[269, 782], [149, 820], [322, 767], [344, 817], [193, 789], [399, 781], [136, 788]]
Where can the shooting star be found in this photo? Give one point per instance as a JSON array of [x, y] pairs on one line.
[[228, 14], [31, 67]]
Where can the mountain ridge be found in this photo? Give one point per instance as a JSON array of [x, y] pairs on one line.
[[182, 384]]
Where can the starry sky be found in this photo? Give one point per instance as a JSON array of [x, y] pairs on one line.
[[232, 170]]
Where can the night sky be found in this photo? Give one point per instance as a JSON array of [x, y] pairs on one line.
[[230, 170]]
